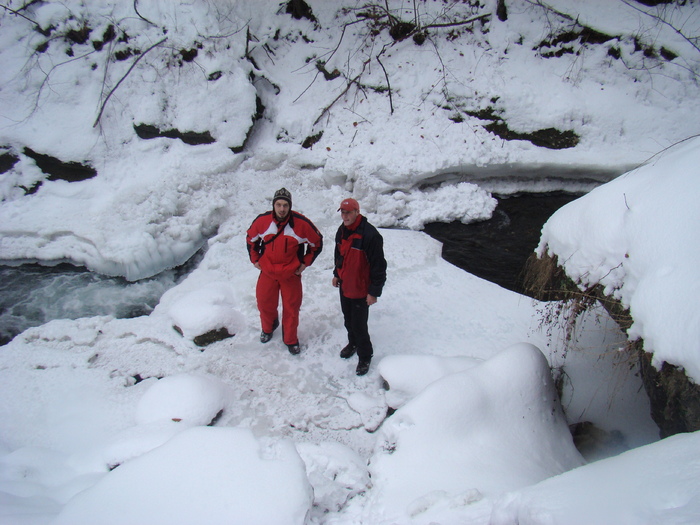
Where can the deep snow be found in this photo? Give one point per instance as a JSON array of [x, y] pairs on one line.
[[104, 418]]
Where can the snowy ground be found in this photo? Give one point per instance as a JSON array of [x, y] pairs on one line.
[[104, 419], [75, 399]]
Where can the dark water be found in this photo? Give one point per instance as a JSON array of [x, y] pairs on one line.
[[497, 249]]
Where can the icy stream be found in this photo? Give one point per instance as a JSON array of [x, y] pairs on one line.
[[31, 295]]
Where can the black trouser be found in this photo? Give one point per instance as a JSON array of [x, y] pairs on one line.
[[356, 314]]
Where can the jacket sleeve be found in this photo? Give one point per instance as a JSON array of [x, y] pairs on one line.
[[377, 263], [252, 240], [336, 252], [314, 242]]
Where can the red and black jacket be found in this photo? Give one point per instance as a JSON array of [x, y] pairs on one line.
[[280, 247], [359, 260]]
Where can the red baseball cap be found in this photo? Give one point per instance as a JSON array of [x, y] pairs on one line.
[[349, 205]]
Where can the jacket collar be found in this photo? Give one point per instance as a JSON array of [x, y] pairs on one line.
[[283, 222], [355, 224]]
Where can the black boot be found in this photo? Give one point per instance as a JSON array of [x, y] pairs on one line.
[[266, 336], [348, 351], [362, 367]]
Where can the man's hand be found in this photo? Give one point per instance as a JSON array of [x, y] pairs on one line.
[[371, 299], [336, 282], [257, 265], [301, 268]]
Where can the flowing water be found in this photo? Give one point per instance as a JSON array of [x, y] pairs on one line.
[[31, 295], [497, 249]]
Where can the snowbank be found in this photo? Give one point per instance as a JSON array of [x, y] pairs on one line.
[[77, 394], [210, 475], [637, 236], [658, 483], [491, 429]]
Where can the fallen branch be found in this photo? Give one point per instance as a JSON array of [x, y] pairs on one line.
[[391, 101], [142, 17], [690, 40], [393, 21], [539, 3], [347, 88], [14, 12], [104, 103], [453, 24]]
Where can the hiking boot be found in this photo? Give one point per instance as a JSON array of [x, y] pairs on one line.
[[362, 367], [294, 349], [266, 336], [348, 352]]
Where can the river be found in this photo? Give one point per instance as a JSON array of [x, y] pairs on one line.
[[496, 250], [31, 295]]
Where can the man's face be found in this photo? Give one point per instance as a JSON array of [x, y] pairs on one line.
[[349, 216], [281, 209]]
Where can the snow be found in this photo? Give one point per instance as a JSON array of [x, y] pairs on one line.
[[208, 308], [610, 491], [107, 419], [194, 400], [226, 456], [480, 416], [640, 242]]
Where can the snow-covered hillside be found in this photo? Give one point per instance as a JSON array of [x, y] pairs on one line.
[[80, 79], [182, 118]]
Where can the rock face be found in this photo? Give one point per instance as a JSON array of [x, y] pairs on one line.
[[193, 138], [675, 400], [60, 170]]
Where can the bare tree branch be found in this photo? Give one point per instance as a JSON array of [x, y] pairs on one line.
[[104, 102], [140, 16], [657, 17], [347, 88], [45, 81], [14, 12], [464, 22], [391, 100], [329, 57], [307, 87], [541, 4]]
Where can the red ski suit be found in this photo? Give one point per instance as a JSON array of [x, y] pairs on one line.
[[280, 248]]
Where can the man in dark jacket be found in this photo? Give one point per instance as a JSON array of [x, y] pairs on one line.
[[360, 274], [281, 244]]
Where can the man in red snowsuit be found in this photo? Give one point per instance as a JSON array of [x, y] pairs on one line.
[[281, 244], [360, 273]]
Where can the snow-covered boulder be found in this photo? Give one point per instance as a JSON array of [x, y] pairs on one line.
[[206, 315], [492, 428], [407, 375], [336, 473], [203, 475], [190, 399]]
